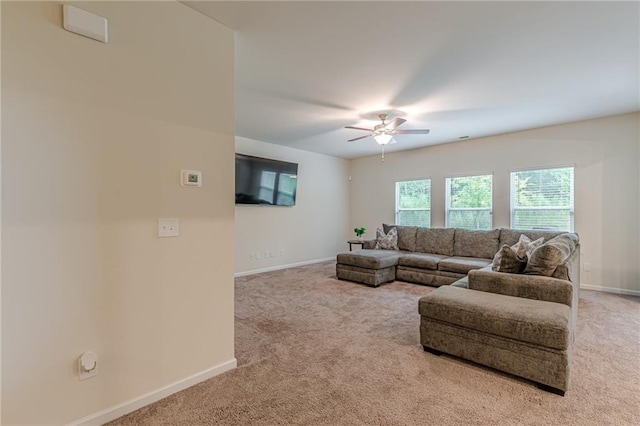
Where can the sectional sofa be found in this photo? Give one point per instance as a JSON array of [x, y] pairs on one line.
[[519, 323]]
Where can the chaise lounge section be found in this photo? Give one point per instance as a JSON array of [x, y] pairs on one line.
[[371, 267], [520, 323]]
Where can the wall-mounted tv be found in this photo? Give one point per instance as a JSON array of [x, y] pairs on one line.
[[265, 181]]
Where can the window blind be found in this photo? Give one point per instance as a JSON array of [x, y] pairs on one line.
[[543, 199]]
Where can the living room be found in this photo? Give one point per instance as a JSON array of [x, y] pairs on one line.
[[93, 138]]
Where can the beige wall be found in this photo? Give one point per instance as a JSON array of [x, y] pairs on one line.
[[605, 154], [0, 221], [93, 140], [315, 228]]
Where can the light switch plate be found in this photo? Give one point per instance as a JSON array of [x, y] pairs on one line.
[[168, 227]]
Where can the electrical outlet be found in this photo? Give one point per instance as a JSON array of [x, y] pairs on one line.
[[586, 266], [281, 252], [258, 256]]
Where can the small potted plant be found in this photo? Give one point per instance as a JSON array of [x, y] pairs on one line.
[[359, 232]]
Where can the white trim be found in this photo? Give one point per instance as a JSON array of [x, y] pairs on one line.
[[278, 267], [470, 174], [624, 291], [127, 407], [545, 167], [412, 179]]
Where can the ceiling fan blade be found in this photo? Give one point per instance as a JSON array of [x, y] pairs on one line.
[[358, 128], [361, 137], [394, 123], [411, 132]]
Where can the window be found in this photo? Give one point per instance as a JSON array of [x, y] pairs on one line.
[[413, 203], [286, 189], [267, 186], [469, 202], [542, 199]]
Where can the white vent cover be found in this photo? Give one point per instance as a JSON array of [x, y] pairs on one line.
[[84, 23]]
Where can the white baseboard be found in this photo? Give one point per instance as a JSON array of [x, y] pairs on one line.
[[127, 407], [610, 290], [277, 268]]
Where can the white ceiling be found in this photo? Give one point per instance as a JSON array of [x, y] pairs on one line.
[[304, 70]]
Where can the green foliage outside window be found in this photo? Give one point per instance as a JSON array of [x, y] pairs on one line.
[[413, 203], [471, 191], [470, 202]]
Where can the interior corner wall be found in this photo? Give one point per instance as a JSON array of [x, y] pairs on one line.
[[93, 140], [605, 153], [315, 228], [0, 223]]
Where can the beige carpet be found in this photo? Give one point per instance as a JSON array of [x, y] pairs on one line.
[[313, 350]]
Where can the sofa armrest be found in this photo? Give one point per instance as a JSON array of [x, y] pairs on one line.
[[369, 244], [534, 287]]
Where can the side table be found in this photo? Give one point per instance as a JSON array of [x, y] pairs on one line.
[[356, 242]]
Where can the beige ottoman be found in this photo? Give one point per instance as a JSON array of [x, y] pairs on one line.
[[528, 338], [371, 267]]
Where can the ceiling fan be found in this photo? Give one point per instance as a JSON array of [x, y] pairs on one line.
[[383, 133]]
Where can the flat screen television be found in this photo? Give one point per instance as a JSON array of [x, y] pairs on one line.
[[265, 181]]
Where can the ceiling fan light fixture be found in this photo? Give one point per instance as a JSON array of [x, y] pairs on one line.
[[383, 138]]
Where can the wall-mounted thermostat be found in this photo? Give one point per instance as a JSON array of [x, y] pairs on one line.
[[190, 178], [84, 23]]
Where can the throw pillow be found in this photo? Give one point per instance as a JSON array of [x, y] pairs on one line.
[[406, 236], [511, 260], [387, 241], [545, 259], [528, 246]]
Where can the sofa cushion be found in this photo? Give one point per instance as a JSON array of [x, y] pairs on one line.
[[476, 243], [545, 259], [435, 240], [387, 241], [533, 321], [369, 244], [462, 265], [421, 260], [426, 276], [406, 236], [370, 259]]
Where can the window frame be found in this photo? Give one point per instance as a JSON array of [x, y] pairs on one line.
[[397, 200], [571, 207]]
